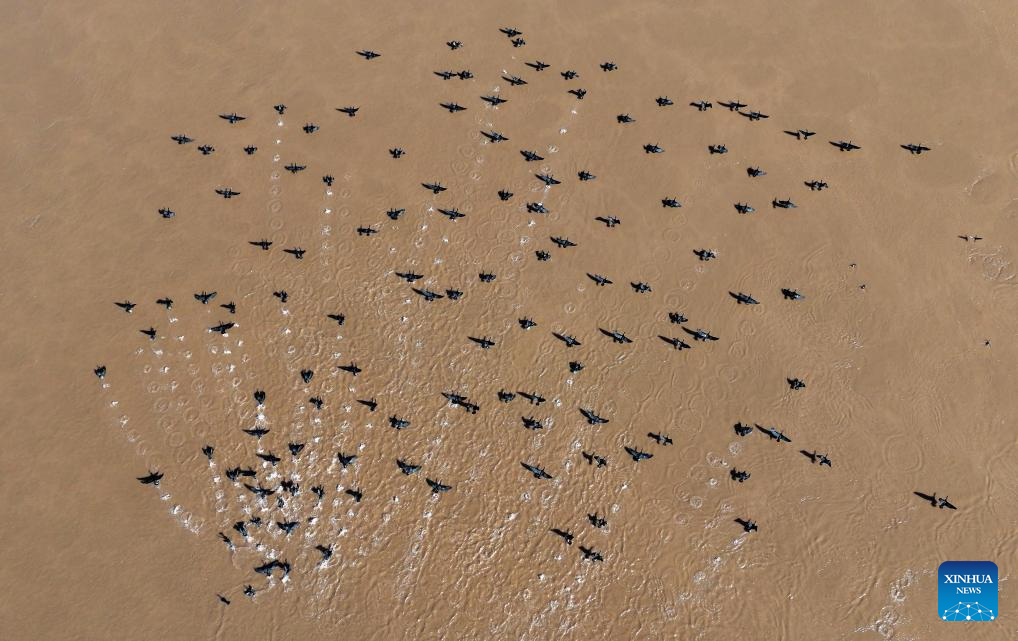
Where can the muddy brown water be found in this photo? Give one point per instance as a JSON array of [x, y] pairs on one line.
[[902, 392]]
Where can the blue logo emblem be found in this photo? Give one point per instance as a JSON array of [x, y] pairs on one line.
[[967, 591]]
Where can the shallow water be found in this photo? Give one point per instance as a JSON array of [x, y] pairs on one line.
[[902, 392]]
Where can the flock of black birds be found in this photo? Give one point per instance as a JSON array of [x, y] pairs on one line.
[[248, 476]]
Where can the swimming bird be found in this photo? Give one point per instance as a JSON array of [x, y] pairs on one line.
[[791, 294], [624, 119], [795, 383], [755, 172], [740, 476], [167, 213], [585, 176], [454, 44], [652, 149], [670, 202], [705, 254], [717, 149], [100, 371]]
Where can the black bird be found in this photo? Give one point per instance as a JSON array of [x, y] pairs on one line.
[[815, 457], [287, 527], [676, 318], [398, 423], [407, 468], [167, 213], [259, 397], [592, 418], [783, 204], [608, 66], [346, 459], [465, 75], [371, 404], [702, 105], [609, 221], [223, 599], [816, 185], [326, 551], [310, 128], [367, 54], [597, 521], [536, 471], [264, 244], [230, 307], [753, 115], [226, 192], [800, 134], [914, 149], [740, 476], [935, 501], [675, 342], [518, 42], [700, 334], [575, 366], [259, 491], [493, 136], [795, 383], [100, 371], [241, 528], [249, 591], [774, 434], [661, 439], [295, 448], [600, 280], [356, 494], [366, 231], [234, 473], [663, 101], [640, 288], [232, 118], [527, 323], [152, 478], [206, 149], [531, 423], [451, 214], [250, 149], [317, 402], [505, 396], [409, 276], [434, 188], [567, 339], [705, 254], [744, 208], [624, 119], [742, 430], [747, 525], [670, 202], [454, 44], [791, 294], [565, 534], [127, 306], [436, 487], [586, 175], [494, 101], [972, 238], [486, 277], [564, 243], [515, 81], [452, 107], [594, 458], [590, 554], [569, 74], [222, 328], [511, 32], [268, 457], [717, 149], [652, 149], [732, 105], [352, 368], [328, 180], [290, 486], [225, 539], [306, 375], [637, 454], [427, 294], [534, 398], [339, 318], [579, 93], [548, 179], [293, 168], [394, 214], [296, 252], [349, 111], [530, 156], [542, 255], [538, 65], [755, 172], [280, 108], [453, 294], [150, 332], [181, 139], [485, 343], [845, 146], [537, 208], [396, 152], [616, 336], [444, 75], [743, 299]]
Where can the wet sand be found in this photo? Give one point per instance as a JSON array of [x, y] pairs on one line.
[[902, 392]]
